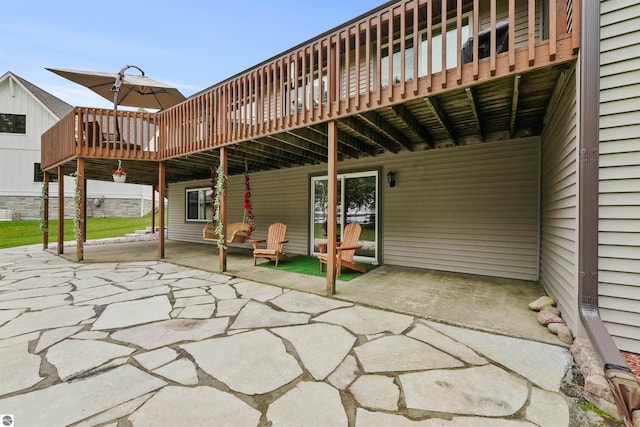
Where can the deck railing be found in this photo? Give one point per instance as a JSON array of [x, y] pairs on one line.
[[351, 69], [101, 133], [398, 52]]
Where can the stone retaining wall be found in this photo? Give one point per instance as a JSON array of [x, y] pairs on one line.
[[24, 207]]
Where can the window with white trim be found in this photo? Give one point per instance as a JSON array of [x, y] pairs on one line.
[[199, 205]]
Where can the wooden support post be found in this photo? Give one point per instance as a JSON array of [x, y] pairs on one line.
[[45, 212], [60, 248], [161, 195], [332, 177], [82, 189], [153, 208], [222, 252]]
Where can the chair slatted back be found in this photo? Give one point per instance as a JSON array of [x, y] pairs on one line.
[[277, 233], [351, 236]]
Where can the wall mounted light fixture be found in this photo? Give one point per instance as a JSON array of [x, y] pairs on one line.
[[391, 179]]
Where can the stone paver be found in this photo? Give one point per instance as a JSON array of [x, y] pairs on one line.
[[52, 336], [167, 332], [129, 313], [152, 343], [69, 402], [72, 356], [182, 371], [376, 392], [257, 315], [367, 321], [309, 404], [543, 364], [321, 348], [20, 369], [45, 319], [485, 390], [400, 353], [253, 362], [156, 358], [199, 406]]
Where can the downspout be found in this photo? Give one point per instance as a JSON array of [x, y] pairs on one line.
[[625, 388]]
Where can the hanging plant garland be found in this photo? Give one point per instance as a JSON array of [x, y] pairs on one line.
[[247, 204], [217, 201], [44, 224]]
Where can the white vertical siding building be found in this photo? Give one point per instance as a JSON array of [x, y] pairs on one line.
[[26, 111]]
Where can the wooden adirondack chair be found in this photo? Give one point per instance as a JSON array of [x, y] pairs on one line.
[[346, 250], [275, 241]]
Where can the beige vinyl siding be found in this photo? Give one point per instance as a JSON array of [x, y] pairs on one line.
[[471, 209], [558, 248], [276, 197], [619, 227]]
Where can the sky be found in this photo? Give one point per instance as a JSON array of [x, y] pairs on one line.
[[189, 44]]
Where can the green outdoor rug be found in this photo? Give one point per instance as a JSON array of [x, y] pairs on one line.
[[310, 265]]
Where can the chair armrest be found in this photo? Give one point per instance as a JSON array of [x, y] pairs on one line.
[[255, 242], [348, 248], [280, 243]]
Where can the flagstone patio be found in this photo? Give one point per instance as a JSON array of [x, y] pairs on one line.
[[154, 343]]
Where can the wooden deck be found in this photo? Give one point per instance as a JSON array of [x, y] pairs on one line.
[[275, 114]]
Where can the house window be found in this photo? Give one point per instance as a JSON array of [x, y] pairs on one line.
[[38, 175], [199, 205], [13, 123]]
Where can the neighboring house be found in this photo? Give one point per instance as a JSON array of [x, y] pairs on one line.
[[499, 166], [26, 111]]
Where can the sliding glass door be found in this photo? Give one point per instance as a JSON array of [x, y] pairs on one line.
[[357, 202]]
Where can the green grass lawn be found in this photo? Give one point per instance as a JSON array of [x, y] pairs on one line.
[[27, 232]]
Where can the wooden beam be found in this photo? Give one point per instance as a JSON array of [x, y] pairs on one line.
[[441, 117], [153, 208], [317, 134], [354, 145], [415, 127], [384, 128], [260, 156], [368, 134], [332, 186], [514, 104], [474, 110], [302, 148]]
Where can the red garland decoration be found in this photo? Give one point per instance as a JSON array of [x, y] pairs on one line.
[[247, 204]]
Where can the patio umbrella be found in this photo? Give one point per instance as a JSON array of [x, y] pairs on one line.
[[125, 89]]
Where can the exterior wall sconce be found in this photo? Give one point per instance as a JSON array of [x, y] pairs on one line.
[[391, 179]]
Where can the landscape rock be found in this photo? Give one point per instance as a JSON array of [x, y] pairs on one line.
[[553, 327], [546, 317], [598, 386], [551, 309], [541, 302], [565, 335]]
